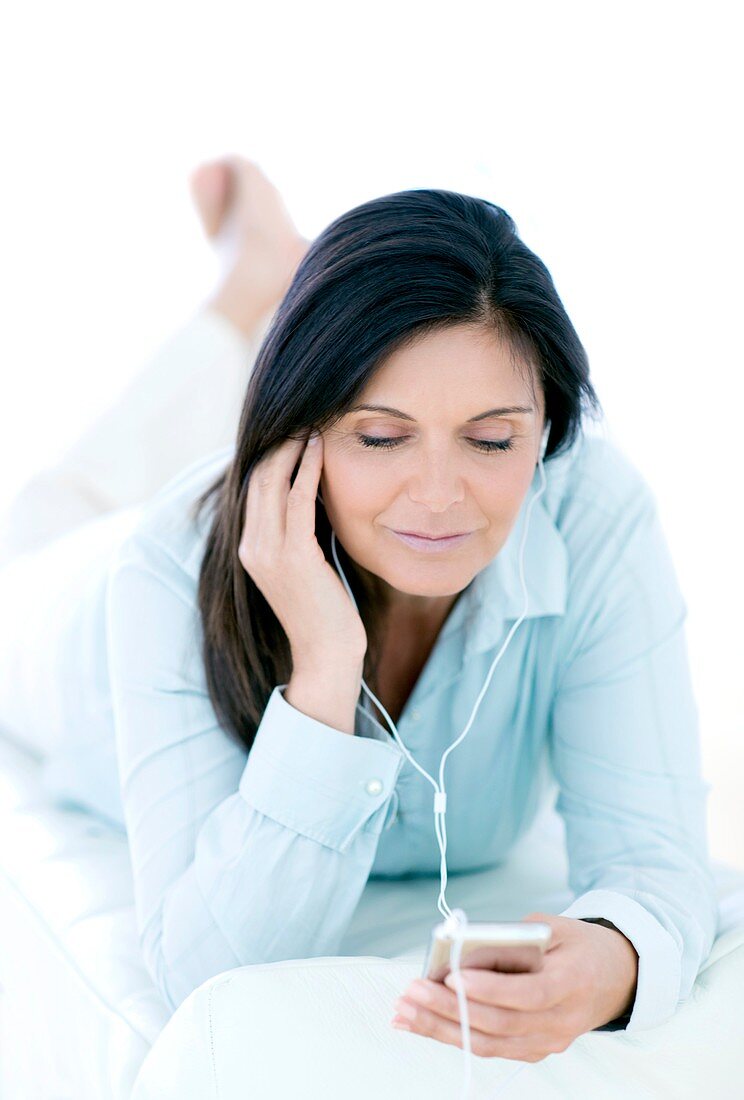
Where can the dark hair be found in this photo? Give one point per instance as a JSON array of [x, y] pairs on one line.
[[376, 279]]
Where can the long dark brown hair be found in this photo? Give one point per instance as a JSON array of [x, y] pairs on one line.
[[376, 279]]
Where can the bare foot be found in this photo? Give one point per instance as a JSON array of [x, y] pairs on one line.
[[209, 184], [259, 245]]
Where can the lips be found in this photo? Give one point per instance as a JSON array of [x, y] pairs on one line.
[[423, 534], [431, 544]]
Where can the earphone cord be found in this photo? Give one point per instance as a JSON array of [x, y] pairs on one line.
[[456, 921]]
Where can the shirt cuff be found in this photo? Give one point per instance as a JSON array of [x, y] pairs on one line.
[[317, 780], [659, 962]]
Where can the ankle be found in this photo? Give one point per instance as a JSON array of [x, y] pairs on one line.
[[241, 306], [251, 290]]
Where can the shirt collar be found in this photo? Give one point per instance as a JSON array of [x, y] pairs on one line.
[[495, 595]]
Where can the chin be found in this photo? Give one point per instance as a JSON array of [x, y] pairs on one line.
[[413, 583]]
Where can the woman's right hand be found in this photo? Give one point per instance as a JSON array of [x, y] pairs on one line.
[[279, 550]]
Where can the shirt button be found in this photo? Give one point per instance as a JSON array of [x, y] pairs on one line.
[[374, 786], [415, 715]]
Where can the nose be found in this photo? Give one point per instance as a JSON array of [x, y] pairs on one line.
[[435, 483]]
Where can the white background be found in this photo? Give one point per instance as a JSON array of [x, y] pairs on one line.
[[610, 133]]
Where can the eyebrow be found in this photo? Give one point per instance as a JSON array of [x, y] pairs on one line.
[[505, 411]]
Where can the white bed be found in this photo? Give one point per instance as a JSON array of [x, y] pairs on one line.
[[82, 1019]]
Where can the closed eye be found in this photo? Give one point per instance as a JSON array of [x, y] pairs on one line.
[[488, 445]]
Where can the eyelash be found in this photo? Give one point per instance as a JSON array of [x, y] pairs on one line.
[[487, 445]]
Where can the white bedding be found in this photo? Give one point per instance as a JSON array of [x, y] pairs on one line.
[[318, 1028]]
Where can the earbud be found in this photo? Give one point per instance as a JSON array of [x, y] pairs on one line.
[[544, 441]]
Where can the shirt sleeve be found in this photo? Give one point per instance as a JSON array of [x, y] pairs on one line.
[[237, 857], [625, 751]]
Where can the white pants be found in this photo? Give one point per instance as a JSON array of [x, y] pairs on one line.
[[315, 1027], [58, 533], [182, 404]]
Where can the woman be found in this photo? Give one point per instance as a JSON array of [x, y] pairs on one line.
[[428, 348]]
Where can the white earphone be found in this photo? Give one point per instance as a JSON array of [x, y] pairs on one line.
[[456, 919]]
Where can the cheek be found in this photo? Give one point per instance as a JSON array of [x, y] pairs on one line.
[[500, 499], [503, 498], [354, 489]]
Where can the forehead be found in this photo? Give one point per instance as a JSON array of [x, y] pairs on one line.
[[458, 361]]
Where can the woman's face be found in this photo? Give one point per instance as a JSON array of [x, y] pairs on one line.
[[444, 471]]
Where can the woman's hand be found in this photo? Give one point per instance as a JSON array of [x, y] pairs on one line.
[[280, 552], [588, 978]]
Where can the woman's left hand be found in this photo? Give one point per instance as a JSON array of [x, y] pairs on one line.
[[588, 978]]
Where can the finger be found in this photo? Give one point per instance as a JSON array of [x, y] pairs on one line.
[[490, 1019], [266, 499], [533, 991], [560, 926], [300, 513], [530, 1048]]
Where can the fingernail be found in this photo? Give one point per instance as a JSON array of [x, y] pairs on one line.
[[313, 439], [400, 1024], [419, 991]]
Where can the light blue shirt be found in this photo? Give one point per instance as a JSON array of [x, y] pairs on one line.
[[592, 701]]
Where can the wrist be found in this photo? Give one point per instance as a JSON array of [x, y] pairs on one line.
[[624, 1006], [328, 693], [341, 667]]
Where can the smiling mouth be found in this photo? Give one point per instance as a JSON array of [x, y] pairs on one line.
[[428, 544]]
